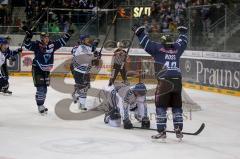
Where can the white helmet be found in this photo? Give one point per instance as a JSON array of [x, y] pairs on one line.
[[120, 44]]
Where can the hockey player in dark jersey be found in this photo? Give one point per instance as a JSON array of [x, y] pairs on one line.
[[43, 63], [120, 99], [118, 64], [83, 56], [7, 54], [168, 92]]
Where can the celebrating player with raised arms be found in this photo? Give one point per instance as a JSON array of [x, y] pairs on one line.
[[168, 92], [6, 54], [84, 56], [122, 99], [43, 63]]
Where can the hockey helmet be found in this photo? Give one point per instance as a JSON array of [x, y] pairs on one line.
[[120, 45], [3, 44], [3, 41], [139, 89], [44, 34], [83, 37], [166, 40]]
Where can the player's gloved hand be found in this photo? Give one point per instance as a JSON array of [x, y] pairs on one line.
[[19, 50], [145, 123], [12, 59], [127, 124], [29, 34], [182, 29], [70, 31], [96, 53], [95, 44], [137, 29]]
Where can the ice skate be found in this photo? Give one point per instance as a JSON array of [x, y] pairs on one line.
[[42, 110]]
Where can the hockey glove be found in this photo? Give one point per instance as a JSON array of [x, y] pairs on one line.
[[127, 124], [145, 123], [29, 35], [19, 50], [70, 32]]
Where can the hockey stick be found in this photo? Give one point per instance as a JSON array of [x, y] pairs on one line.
[[34, 25], [109, 30], [185, 133], [131, 42]]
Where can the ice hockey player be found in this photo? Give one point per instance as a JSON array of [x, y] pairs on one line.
[[9, 55], [118, 64], [120, 100], [168, 92], [6, 54], [83, 56], [43, 63]]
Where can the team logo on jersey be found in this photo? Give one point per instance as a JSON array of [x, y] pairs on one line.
[[47, 57]]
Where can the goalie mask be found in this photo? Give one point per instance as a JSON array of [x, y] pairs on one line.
[[139, 89]]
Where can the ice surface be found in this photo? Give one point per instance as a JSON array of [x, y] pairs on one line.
[[24, 134]]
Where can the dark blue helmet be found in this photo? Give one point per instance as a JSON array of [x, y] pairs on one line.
[[82, 37], [3, 41], [139, 89]]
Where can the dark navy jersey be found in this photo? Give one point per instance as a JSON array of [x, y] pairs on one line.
[[167, 57], [44, 54], [10, 53]]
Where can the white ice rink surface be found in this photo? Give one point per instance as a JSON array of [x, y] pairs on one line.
[[24, 134]]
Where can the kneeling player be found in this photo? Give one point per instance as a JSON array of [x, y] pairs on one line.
[[121, 100]]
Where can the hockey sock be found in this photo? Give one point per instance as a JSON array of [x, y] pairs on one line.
[[41, 95], [177, 118], [161, 118]]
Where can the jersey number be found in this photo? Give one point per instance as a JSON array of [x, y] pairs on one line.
[[171, 65]]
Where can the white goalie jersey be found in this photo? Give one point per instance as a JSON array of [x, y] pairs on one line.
[[82, 58]]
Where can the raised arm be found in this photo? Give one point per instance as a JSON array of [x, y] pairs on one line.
[[149, 46], [61, 42], [27, 43], [182, 41]]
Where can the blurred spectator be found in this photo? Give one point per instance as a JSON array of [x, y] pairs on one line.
[[29, 9]]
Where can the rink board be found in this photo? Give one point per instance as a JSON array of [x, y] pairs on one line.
[[208, 71]]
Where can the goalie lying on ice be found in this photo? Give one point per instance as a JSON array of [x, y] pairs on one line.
[[120, 100]]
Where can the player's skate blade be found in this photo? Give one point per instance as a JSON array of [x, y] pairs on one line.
[[161, 135]]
